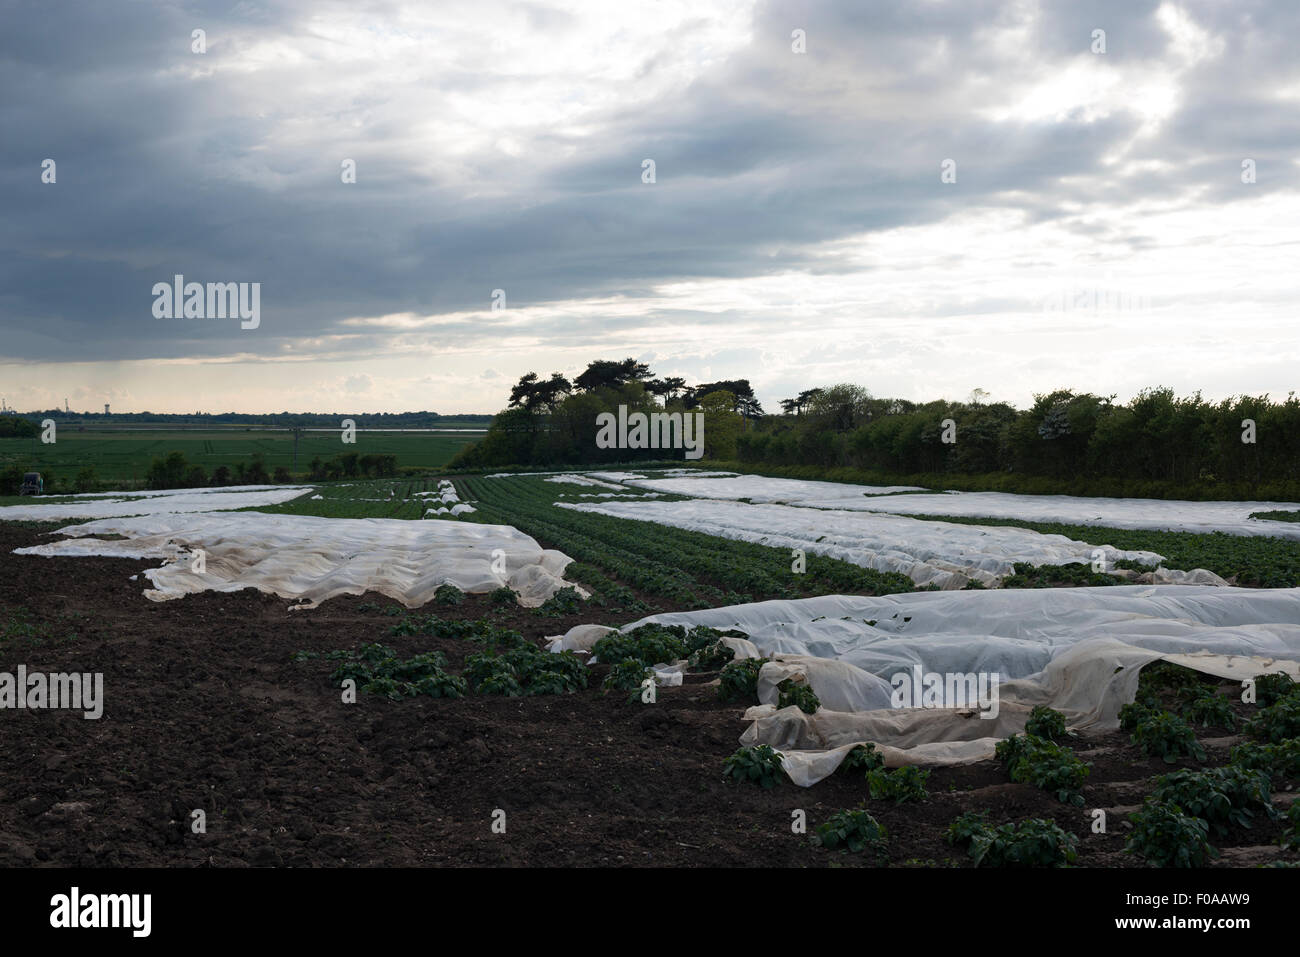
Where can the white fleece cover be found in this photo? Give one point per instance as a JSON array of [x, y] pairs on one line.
[[582, 480], [942, 553], [311, 559], [1135, 513], [156, 503], [760, 488], [1140, 513], [1077, 650]]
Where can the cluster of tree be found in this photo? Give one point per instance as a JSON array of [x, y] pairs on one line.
[[352, 465], [1157, 437], [11, 480], [554, 421], [16, 427], [173, 471]]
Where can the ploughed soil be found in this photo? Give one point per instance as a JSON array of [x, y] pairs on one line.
[[205, 710]]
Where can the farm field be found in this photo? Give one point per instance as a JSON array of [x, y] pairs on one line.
[[290, 775], [208, 708], [124, 456]]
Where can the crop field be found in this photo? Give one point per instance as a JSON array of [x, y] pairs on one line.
[[466, 704], [1257, 562], [124, 456]]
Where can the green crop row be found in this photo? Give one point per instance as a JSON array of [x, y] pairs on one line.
[[1254, 561], [692, 568]]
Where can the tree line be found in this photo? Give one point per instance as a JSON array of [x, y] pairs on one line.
[[174, 471], [1156, 445], [553, 421]]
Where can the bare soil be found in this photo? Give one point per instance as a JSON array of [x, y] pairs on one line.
[[204, 709]]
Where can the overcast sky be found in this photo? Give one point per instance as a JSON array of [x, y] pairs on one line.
[[1098, 234]]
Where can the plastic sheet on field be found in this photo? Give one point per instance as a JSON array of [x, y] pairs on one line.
[[761, 488], [1076, 650], [312, 559], [945, 554], [1135, 513], [101, 505]]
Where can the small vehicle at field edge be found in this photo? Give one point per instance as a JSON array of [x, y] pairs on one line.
[[33, 484]]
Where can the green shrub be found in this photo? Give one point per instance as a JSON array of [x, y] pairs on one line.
[[1291, 831], [650, 644], [627, 675], [861, 759], [1032, 843], [358, 671], [501, 683], [1164, 836], [1032, 760], [791, 692], [1046, 724], [854, 831], [566, 601], [899, 785], [525, 670], [711, 657], [377, 670], [502, 596], [374, 652], [532, 665], [1210, 709], [448, 594], [965, 827], [422, 665], [1272, 688], [738, 681], [1281, 760], [701, 637], [1278, 722], [758, 765], [1165, 675], [1131, 715], [440, 685], [1167, 736], [388, 687], [1220, 796], [481, 666], [480, 630]]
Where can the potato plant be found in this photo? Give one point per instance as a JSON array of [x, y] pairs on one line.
[[1164, 836], [852, 831], [1167, 736], [758, 765], [1032, 843], [1219, 796], [791, 692], [900, 785], [1044, 764]]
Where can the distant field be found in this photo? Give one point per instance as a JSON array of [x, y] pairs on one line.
[[124, 456]]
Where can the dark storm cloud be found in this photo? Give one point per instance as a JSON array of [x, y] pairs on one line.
[[163, 172]]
